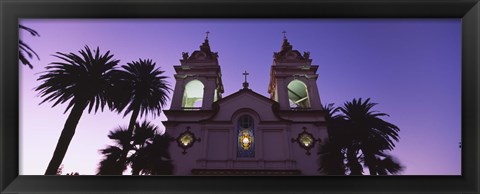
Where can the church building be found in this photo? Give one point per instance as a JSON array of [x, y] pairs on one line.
[[246, 133]]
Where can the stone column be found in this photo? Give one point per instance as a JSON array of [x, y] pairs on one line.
[[208, 94], [313, 93], [177, 97], [282, 93]]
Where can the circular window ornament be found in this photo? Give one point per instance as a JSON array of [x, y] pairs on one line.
[[186, 140], [305, 140]]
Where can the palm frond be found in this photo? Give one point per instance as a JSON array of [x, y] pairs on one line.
[[111, 166], [149, 151], [24, 49], [122, 137], [368, 132], [78, 78], [144, 133], [141, 85], [30, 30], [389, 165]]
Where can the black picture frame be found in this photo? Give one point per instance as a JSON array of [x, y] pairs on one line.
[[11, 11]]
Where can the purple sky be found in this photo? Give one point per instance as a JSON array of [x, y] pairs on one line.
[[411, 67]]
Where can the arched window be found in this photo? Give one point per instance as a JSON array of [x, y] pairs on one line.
[[193, 94], [298, 94], [245, 137]]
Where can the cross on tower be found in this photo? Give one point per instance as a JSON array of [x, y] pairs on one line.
[[245, 74], [245, 84], [207, 34], [284, 36]]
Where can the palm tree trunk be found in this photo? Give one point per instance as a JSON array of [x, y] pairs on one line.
[[133, 119], [370, 162], [135, 172], [353, 163], [65, 138]]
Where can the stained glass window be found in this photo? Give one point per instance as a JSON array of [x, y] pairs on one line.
[[245, 136]]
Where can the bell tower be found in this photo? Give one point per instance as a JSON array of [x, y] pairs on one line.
[[293, 80], [198, 80]]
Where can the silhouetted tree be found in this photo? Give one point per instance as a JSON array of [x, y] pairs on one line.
[[59, 170], [81, 80], [338, 154], [372, 135], [153, 158], [357, 136], [157, 156], [142, 137], [332, 151], [354, 161], [23, 48], [141, 88], [148, 152], [388, 165], [114, 163]]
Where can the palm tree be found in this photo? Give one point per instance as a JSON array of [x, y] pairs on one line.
[[142, 89], [354, 160], [142, 137], [81, 80], [331, 153], [148, 152], [388, 165], [23, 48], [155, 156], [113, 164], [338, 154], [331, 159], [372, 135], [151, 155]]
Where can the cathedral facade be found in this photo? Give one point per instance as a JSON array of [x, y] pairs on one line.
[[246, 133]]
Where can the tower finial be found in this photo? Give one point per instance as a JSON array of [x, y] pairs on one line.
[[245, 84], [284, 35], [207, 32]]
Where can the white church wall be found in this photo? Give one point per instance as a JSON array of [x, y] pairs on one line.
[[242, 102], [274, 147], [217, 144], [184, 163]]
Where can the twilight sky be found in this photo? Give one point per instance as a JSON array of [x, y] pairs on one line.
[[411, 67]]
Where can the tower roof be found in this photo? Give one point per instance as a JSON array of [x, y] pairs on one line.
[[204, 54], [287, 54]]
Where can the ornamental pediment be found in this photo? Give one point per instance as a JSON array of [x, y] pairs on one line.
[[204, 54], [288, 54]]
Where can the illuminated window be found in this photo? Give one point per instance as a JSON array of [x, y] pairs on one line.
[[298, 94], [186, 140], [245, 136], [193, 95], [305, 140]]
